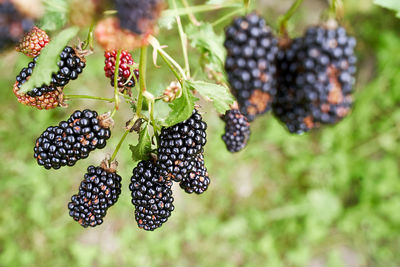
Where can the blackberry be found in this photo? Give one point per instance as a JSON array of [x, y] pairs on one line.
[[139, 16], [250, 64], [151, 196], [70, 65], [46, 100], [237, 130], [316, 77], [98, 191], [179, 145], [33, 42], [72, 140], [124, 72], [197, 180], [13, 25]]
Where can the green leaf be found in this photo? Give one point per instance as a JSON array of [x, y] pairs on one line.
[[390, 4], [56, 14], [209, 44], [143, 149], [47, 62], [220, 95], [182, 107]]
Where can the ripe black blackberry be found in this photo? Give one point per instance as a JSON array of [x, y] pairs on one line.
[[237, 130], [250, 64], [151, 196], [139, 16], [179, 145], [98, 191], [70, 65], [72, 140], [13, 25], [316, 79], [197, 180]]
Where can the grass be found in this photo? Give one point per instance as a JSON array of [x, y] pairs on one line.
[[327, 198]]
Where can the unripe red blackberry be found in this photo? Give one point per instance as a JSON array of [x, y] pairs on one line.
[[179, 145], [316, 77], [99, 190], [237, 130], [72, 140], [139, 16], [124, 72], [250, 64], [33, 42], [151, 196], [197, 181], [13, 24]]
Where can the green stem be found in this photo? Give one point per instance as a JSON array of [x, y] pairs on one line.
[[192, 18], [89, 97], [153, 122], [227, 16], [179, 77], [142, 79], [285, 18], [122, 141], [183, 39], [116, 75], [247, 5], [197, 9], [89, 39]]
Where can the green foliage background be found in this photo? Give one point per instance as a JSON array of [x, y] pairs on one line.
[[327, 198]]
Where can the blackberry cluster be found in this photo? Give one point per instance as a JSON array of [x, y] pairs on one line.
[[98, 191], [250, 64], [151, 196], [197, 180], [139, 16], [316, 77], [237, 130], [70, 65], [48, 100], [13, 25], [124, 71], [179, 146], [71, 140]]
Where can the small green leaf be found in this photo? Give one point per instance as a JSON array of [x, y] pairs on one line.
[[390, 4], [220, 95], [209, 44], [182, 107], [56, 14], [47, 62], [143, 149]]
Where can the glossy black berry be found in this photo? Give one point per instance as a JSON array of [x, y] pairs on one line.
[[197, 181], [237, 130], [179, 145], [250, 64], [71, 140], [151, 196], [316, 77], [99, 190]]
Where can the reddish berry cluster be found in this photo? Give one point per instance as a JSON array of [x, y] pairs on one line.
[[33, 42], [125, 79]]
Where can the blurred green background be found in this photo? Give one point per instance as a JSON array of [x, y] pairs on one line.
[[326, 198]]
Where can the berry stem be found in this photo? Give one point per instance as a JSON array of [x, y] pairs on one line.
[[191, 16], [172, 64], [89, 97], [282, 20], [184, 41], [335, 8], [142, 78], [227, 16], [89, 38], [116, 75], [199, 9], [114, 155]]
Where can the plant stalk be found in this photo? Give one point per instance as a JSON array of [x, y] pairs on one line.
[[286, 17], [142, 79]]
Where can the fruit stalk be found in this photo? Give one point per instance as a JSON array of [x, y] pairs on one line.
[[142, 79], [285, 18]]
